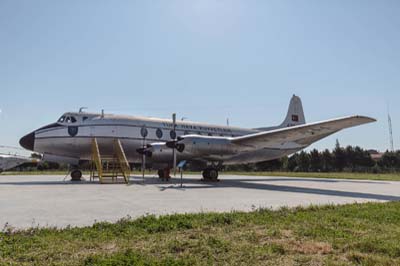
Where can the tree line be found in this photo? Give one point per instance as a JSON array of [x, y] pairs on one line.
[[340, 159]]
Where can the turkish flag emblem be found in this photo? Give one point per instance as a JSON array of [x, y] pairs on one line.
[[295, 118]]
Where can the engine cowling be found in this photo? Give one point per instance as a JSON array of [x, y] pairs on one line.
[[205, 145], [159, 152], [189, 147]]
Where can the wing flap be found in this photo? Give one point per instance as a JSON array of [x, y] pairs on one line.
[[300, 136]]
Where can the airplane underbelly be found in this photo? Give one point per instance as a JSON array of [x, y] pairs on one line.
[[258, 156]]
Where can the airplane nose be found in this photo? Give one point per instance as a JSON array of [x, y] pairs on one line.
[[28, 141]]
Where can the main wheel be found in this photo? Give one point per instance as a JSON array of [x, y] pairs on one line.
[[160, 173], [213, 174], [210, 174], [76, 175], [206, 174]]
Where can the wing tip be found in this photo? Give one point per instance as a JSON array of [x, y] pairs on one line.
[[366, 119]]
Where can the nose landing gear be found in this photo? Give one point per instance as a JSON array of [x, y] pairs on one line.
[[210, 175], [164, 174], [76, 175]]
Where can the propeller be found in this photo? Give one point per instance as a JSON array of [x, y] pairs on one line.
[[143, 164], [174, 149], [144, 133], [144, 152], [174, 144]]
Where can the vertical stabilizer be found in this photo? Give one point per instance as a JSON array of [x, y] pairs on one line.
[[295, 114]]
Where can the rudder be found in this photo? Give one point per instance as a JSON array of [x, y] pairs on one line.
[[295, 114]]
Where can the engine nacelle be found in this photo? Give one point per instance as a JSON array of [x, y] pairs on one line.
[[188, 147], [159, 152], [206, 145]]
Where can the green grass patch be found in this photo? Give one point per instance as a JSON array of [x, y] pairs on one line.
[[354, 234]]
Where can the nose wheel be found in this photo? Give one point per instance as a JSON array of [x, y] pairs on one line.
[[210, 175], [76, 175]]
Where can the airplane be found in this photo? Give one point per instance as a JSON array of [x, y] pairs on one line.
[[10, 160], [163, 142]]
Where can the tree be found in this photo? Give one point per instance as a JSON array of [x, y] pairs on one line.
[[292, 162], [362, 159], [327, 161], [315, 161], [339, 156], [303, 161], [390, 160], [273, 165], [285, 163], [350, 157]]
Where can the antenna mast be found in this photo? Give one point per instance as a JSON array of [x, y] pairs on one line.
[[390, 133]]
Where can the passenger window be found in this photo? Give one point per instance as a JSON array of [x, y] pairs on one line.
[[159, 133], [73, 119], [68, 119], [172, 134], [84, 118]]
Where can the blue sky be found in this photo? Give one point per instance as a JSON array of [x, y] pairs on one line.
[[206, 60]]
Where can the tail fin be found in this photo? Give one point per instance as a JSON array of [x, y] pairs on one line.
[[295, 114], [294, 117]]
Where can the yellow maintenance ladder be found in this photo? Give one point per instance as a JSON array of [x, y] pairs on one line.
[[107, 169]]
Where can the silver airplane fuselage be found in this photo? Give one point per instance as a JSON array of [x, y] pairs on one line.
[[70, 139]]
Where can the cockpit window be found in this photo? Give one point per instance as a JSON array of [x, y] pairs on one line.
[[67, 119], [62, 119]]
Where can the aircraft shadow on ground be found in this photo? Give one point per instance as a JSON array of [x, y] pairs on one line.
[[251, 183], [255, 184]]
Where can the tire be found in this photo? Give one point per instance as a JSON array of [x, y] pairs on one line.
[[213, 174], [206, 174], [160, 173], [76, 175], [210, 174]]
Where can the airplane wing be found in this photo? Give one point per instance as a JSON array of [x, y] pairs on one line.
[[299, 136]]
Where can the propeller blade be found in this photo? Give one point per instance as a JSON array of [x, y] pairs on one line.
[[175, 145], [180, 147], [171, 144], [143, 164], [173, 149]]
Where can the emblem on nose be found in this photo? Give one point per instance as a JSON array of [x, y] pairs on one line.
[[72, 131]]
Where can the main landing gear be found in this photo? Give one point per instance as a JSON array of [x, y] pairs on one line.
[[164, 174], [210, 175], [76, 175]]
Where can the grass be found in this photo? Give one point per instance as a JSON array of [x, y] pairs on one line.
[[355, 234], [343, 175]]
